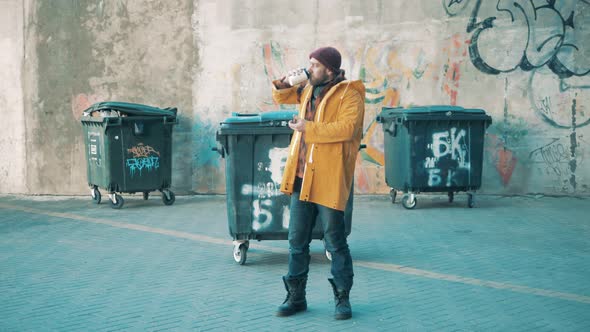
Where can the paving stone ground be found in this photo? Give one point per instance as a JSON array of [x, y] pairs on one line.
[[510, 264]]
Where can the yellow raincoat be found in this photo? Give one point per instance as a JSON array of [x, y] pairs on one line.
[[332, 140]]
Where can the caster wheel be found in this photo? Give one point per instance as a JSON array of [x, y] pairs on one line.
[[146, 195], [118, 203], [451, 197], [240, 253], [168, 200], [470, 201], [96, 196], [409, 201], [393, 195]]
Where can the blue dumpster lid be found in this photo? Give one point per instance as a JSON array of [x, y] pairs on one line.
[[131, 109], [252, 118]]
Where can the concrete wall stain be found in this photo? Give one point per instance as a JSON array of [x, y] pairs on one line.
[[90, 51]]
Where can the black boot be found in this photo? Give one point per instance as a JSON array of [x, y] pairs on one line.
[[295, 300], [341, 298]]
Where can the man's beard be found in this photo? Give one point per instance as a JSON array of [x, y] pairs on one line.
[[325, 78]]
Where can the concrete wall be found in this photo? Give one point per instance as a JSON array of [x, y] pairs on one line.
[[525, 62], [12, 126]]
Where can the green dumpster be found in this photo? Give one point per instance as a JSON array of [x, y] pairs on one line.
[[255, 148], [128, 150], [433, 149]]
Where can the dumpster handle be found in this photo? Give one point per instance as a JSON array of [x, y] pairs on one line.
[[114, 121], [243, 114], [138, 128], [219, 150], [392, 129], [170, 120]]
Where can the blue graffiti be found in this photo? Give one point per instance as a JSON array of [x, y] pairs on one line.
[[138, 164]]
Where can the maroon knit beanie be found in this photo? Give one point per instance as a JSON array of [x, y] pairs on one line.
[[329, 57]]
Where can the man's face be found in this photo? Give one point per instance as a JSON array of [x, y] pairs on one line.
[[318, 73]]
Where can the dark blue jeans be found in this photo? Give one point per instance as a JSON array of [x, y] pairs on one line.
[[301, 224]]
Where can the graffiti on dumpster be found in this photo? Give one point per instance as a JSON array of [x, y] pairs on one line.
[[449, 154], [145, 157], [270, 208], [141, 150]]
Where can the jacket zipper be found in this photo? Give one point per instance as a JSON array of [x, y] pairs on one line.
[[298, 134]]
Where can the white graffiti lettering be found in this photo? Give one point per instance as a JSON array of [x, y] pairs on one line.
[[268, 206], [430, 162], [262, 190], [447, 145], [278, 159], [434, 178], [261, 213]]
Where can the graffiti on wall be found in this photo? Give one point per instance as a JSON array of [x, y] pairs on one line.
[[553, 98], [456, 54], [540, 33], [503, 159], [549, 40], [553, 160], [144, 157]]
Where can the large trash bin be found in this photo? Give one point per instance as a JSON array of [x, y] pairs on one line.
[[255, 148], [433, 149], [128, 150]]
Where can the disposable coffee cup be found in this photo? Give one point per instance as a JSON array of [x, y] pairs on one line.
[[297, 76]]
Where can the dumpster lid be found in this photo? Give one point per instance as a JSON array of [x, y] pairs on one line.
[[435, 112], [433, 109], [251, 118], [131, 109]]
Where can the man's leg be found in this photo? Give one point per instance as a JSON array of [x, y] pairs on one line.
[[336, 244], [301, 223]]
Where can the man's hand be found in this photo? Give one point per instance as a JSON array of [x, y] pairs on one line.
[[297, 124], [282, 83]]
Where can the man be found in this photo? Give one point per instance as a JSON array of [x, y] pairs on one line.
[[319, 172]]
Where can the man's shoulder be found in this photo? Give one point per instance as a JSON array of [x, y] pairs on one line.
[[355, 85]]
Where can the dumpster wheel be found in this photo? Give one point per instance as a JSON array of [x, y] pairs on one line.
[[168, 197], [117, 201], [96, 196], [409, 201], [451, 196], [240, 252], [146, 195]]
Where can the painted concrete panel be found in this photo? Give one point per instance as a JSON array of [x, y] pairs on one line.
[[12, 126]]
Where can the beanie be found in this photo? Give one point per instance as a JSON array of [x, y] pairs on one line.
[[329, 57]]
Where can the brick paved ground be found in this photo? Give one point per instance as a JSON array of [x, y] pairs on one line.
[[511, 264]]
